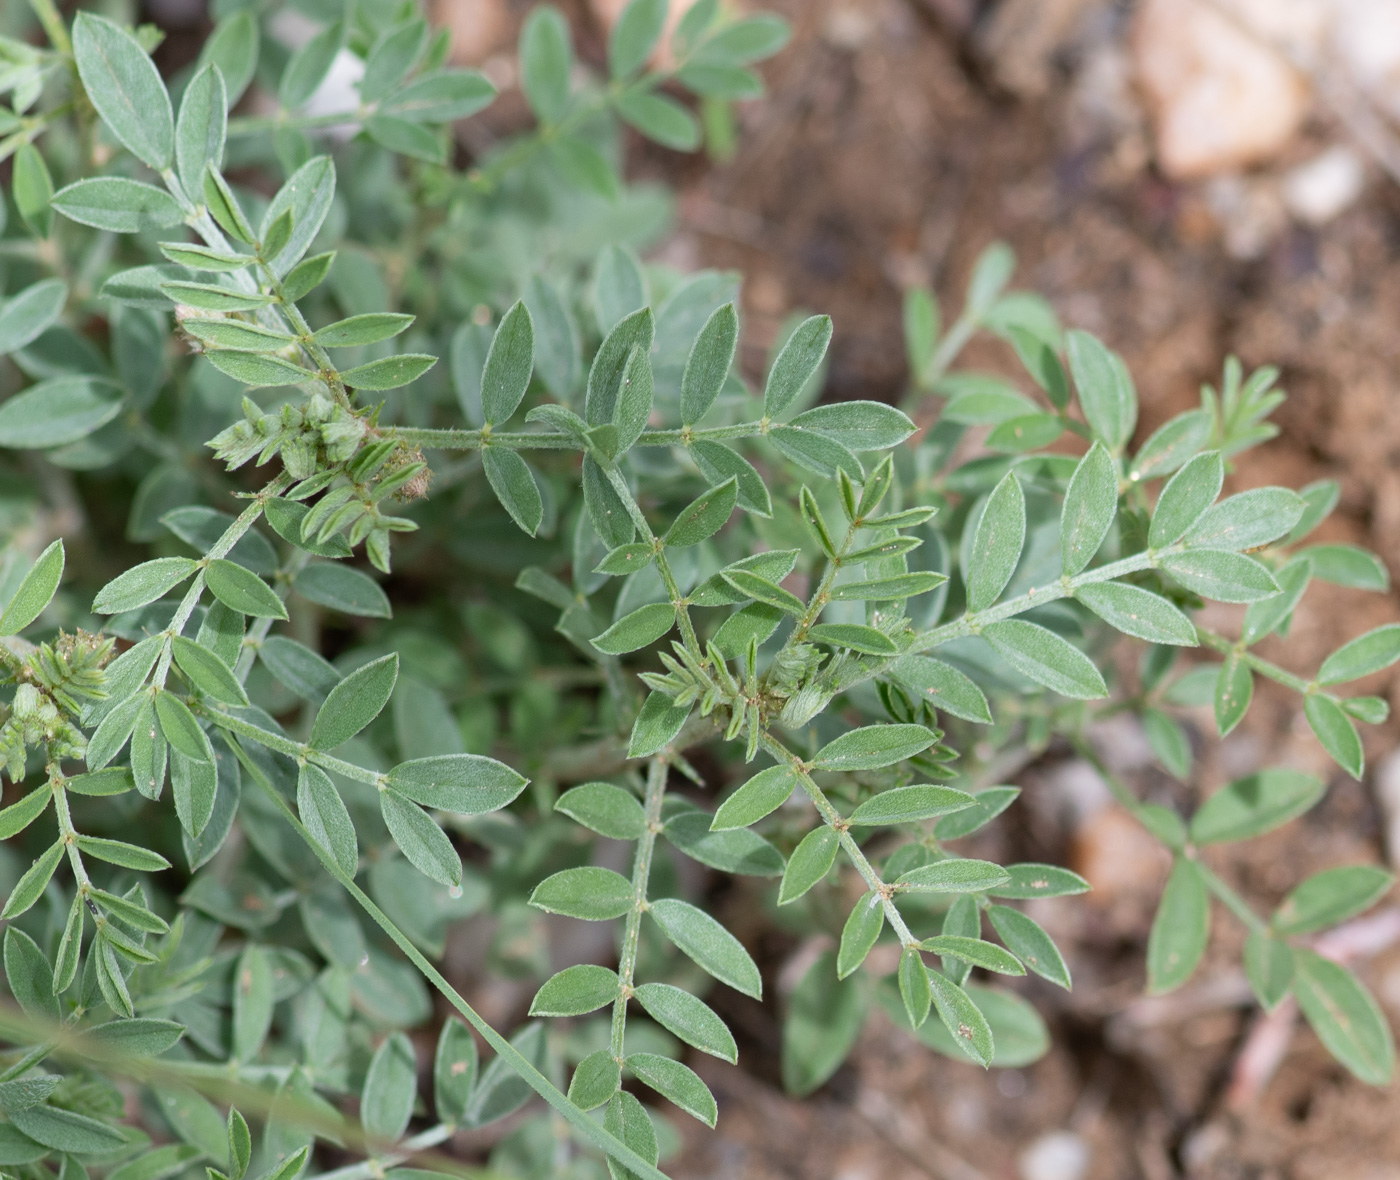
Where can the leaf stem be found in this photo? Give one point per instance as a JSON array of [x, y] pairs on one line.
[[842, 829], [641, 874], [433, 438]]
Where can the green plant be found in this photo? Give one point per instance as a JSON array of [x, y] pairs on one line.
[[589, 640]]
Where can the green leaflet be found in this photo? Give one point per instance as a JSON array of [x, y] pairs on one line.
[[592, 894], [1330, 897], [1046, 658], [355, 702], [546, 59], [1336, 731], [1222, 575], [690, 1019], [343, 588], [1233, 692], [325, 815], [708, 363], [1253, 805], [1091, 503], [824, 1017], [810, 861], [944, 687], [1104, 387], [24, 316], [509, 365], [242, 591], [1029, 942], [514, 483], [1377, 649], [1185, 498], [954, 875], [705, 516], [909, 804], [386, 1100], [605, 809], [576, 991], [1268, 964], [996, 544], [678, 1083], [1180, 930], [765, 792], [58, 411], [420, 839], [1247, 520], [796, 364], [1345, 1017], [142, 584], [1138, 612], [1039, 880], [708, 943], [35, 592], [124, 86], [873, 746]]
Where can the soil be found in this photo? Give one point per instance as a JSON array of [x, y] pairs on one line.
[[893, 147]]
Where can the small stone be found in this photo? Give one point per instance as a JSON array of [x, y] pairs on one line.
[[1326, 186], [1222, 99], [1060, 1155]]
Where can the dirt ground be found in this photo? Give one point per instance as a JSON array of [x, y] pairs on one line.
[[893, 147]]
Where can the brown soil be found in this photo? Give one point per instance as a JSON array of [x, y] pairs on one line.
[[886, 155]]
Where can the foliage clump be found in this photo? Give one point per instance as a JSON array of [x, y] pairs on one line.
[[623, 552]]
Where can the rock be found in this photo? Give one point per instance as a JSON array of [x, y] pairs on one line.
[[1120, 859], [1060, 1155], [478, 28], [1022, 39], [1221, 98], [1387, 784], [607, 12], [1365, 41], [1325, 186]]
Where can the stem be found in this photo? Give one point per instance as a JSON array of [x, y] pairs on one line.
[[583, 1126], [52, 23], [221, 548], [641, 872], [260, 124], [376, 1166], [67, 833], [472, 440], [1229, 647], [673, 590], [1226, 895], [820, 596], [842, 829], [301, 751]]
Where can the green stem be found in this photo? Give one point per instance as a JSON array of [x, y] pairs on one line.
[[301, 751], [221, 548], [51, 21], [641, 874], [842, 829], [1227, 896], [583, 1126], [473, 440], [1230, 647], [673, 590], [261, 124]]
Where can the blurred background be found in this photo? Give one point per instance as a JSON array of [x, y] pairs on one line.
[[1187, 179]]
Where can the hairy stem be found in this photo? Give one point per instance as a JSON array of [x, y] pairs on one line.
[[641, 873], [842, 829]]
